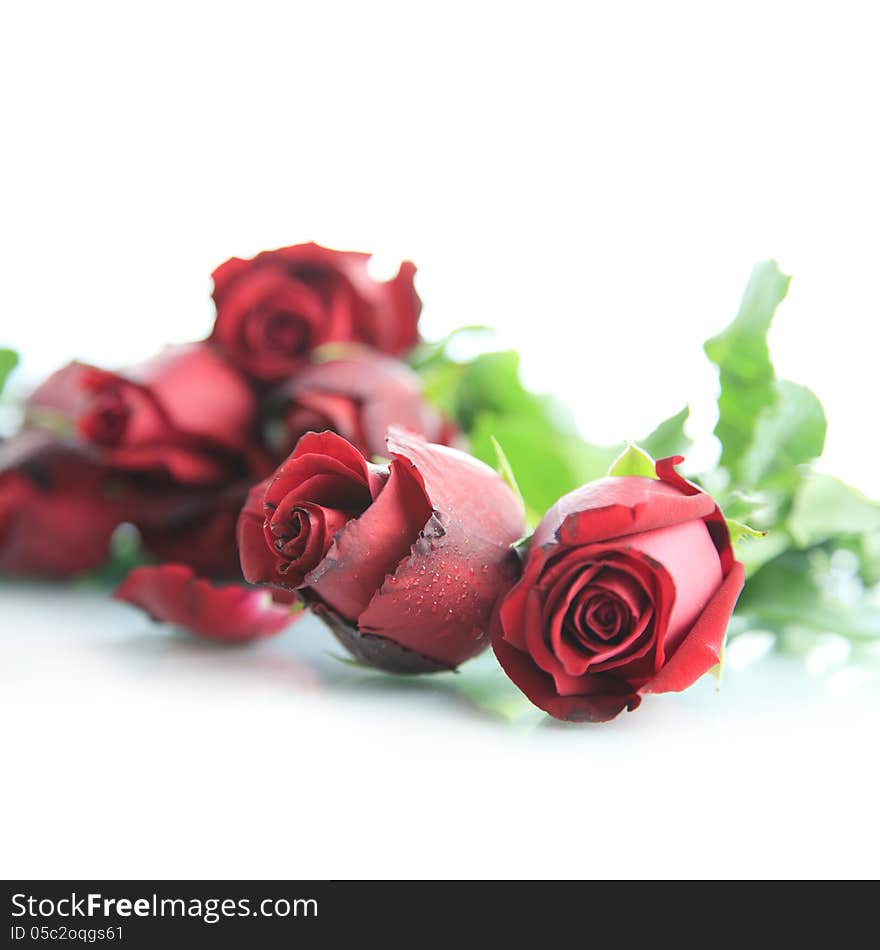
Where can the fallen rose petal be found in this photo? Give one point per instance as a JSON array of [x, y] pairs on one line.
[[172, 593]]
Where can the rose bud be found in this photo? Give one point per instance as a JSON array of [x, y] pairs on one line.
[[273, 310], [173, 594], [185, 415], [358, 396], [627, 589], [404, 561], [58, 508]]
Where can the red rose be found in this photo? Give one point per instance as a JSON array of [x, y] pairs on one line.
[[273, 310], [172, 594], [182, 429], [627, 589], [185, 415], [58, 508], [404, 561], [358, 397]]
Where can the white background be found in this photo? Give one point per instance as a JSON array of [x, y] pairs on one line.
[[594, 180]]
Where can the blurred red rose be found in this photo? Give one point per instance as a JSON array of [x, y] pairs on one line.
[[627, 589], [193, 527], [273, 310], [186, 414], [181, 432], [358, 396], [404, 561], [58, 507]]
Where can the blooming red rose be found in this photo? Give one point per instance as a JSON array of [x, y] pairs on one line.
[[173, 594], [358, 397], [273, 310], [185, 415], [627, 589], [404, 561], [58, 507]]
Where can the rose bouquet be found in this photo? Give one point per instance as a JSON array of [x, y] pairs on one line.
[[313, 453]]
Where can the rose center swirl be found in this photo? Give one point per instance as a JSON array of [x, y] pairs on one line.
[[286, 332]]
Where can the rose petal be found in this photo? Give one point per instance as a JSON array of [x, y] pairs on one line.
[[601, 699], [338, 413], [258, 562], [619, 506], [715, 520], [701, 648], [172, 593], [246, 304], [439, 599], [371, 546], [330, 454], [360, 396]]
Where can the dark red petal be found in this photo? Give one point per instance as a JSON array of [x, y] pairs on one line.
[[439, 599], [603, 696], [226, 275], [259, 563], [185, 414], [379, 652], [371, 547], [701, 648], [172, 593], [338, 412], [201, 393], [361, 395], [335, 448], [58, 508], [384, 314], [317, 479], [246, 307], [200, 534], [619, 506]]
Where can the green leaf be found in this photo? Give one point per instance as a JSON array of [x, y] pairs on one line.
[[746, 373], [441, 383], [740, 532], [504, 468], [754, 555], [825, 507], [633, 461], [124, 554], [547, 463], [430, 353], [867, 550], [8, 362], [669, 437], [718, 669], [787, 593], [788, 433]]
